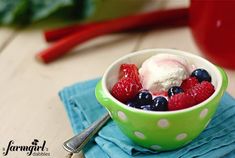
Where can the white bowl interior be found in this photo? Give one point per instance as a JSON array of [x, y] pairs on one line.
[[110, 77]]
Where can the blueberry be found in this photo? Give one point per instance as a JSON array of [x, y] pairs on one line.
[[147, 107], [174, 90], [131, 104], [160, 104], [201, 75], [143, 98]]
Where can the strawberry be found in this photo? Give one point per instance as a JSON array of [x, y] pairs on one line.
[[130, 71], [189, 83], [180, 101], [201, 91], [125, 89]]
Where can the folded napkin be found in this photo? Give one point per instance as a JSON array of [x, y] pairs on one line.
[[217, 140]]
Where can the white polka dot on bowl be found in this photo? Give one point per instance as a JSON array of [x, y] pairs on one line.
[[181, 136], [122, 116], [163, 123], [156, 147], [203, 113], [139, 135]]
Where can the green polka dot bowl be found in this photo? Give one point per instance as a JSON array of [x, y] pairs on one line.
[[166, 130]]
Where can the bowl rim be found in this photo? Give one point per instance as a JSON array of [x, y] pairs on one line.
[[143, 51]]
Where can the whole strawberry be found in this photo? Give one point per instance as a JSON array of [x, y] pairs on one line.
[[125, 89], [201, 91], [129, 71], [180, 101], [189, 83]]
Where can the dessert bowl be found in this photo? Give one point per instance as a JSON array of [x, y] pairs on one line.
[[161, 130]]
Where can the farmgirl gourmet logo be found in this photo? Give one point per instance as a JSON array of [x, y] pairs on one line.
[[36, 148]]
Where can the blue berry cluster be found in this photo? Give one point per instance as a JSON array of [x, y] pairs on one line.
[[174, 90], [201, 75], [145, 101]]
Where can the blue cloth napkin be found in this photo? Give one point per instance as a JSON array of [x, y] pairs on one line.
[[217, 140]]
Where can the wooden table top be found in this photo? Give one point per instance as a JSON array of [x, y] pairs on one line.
[[29, 104]]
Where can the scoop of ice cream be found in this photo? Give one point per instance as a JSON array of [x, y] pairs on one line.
[[163, 71]]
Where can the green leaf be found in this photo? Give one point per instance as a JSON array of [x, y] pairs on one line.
[[28, 11], [96, 10], [44, 8], [14, 10]]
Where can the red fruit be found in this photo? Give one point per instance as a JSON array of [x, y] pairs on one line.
[[162, 93], [130, 71], [201, 91], [125, 89], [180, 101], [189, 83]]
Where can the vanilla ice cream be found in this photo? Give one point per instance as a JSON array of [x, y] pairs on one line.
[[163, 71]]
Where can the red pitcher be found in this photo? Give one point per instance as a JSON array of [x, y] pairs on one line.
[[213, 26]]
